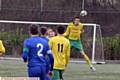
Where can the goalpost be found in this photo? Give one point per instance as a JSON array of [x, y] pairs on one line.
[[94, 30]]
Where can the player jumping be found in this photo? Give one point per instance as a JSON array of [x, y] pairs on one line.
[[73, 32]]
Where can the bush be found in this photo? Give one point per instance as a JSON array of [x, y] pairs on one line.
[[112, 47], [13, 43]]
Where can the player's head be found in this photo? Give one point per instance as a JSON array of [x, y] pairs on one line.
[[60, 30], [43, 30], [34, 29], [51, 32], [76, 21]]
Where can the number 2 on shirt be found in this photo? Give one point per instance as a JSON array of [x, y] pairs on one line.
[[40, 47]]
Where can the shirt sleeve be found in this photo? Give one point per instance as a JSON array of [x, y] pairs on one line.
[[25, 51], [50, 55], [67, 31], [82, 26], [2, 48]]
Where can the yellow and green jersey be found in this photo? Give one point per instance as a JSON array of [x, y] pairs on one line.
[[73, 32], [2, 49], [60, 47]]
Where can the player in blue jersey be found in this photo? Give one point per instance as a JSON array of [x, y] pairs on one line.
[[43, 34], [34, 52]]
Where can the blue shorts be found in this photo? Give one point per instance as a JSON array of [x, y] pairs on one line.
[[38, 71]]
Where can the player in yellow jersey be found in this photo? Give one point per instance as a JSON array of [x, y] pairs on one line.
[[60, 47], [2, 48], [73, 32]]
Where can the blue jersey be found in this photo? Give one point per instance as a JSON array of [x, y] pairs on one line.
[[45, 38], [35, 51], [48, 59]]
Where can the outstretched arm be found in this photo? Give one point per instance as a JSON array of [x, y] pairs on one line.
[[25, 52], [67, 31]]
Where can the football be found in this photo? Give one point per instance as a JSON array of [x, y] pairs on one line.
[[83, 13]]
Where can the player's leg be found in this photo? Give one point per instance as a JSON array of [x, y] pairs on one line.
[[78, 46], [61, 74], [39, 71], [47, 71], [34, 72], [74, 52], [85, 56], [88, 61], [47, 78], [57, 74], [43, 75]]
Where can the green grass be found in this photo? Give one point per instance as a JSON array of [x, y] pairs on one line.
[[10, 68]]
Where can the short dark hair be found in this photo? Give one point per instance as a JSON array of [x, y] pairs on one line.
[[34, 29], [43, 30], [60, 29], [77, 17]]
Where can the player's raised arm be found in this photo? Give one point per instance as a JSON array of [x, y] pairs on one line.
[[25, 51], [67, 32], [2, 48], [82, 27]]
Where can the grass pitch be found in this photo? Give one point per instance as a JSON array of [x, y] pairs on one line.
[[75, 71]]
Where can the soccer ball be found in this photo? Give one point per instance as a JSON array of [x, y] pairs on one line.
[[83, 13]]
